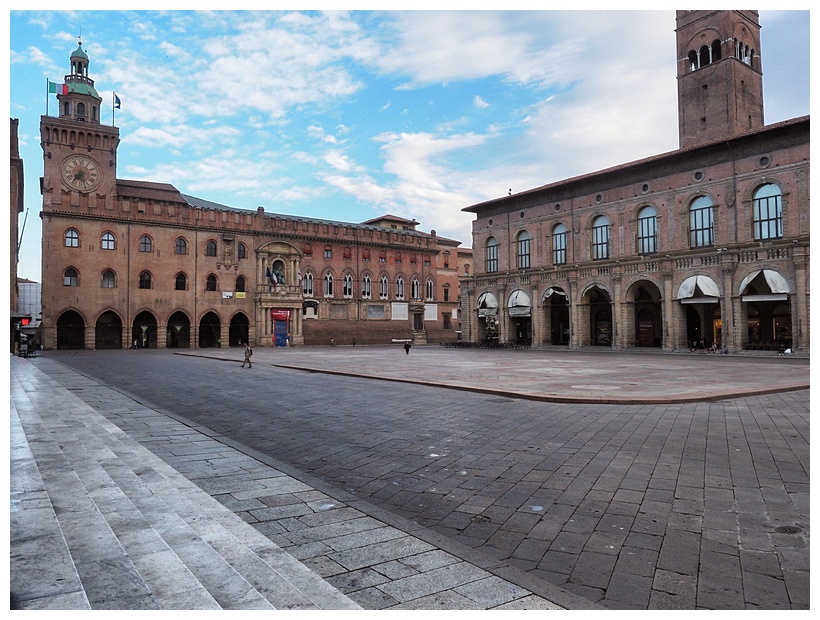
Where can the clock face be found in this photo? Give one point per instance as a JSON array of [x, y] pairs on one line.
[[80, 172]]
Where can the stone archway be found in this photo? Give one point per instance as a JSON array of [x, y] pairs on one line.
[[597, 304], [144, 330], [178, 331], [239, 330], [108, 331], [70, 330], [555, 304], [209, 330], [644, 328]]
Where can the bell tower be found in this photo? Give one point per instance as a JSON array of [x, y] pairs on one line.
[[720, 78], [79, 153]]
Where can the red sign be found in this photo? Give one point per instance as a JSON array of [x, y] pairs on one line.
[[279, 315], [24, 322]]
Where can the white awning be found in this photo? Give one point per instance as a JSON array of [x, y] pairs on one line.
[[704, 284], [519, 304], [554, 291], [777, 283], [487, 305]]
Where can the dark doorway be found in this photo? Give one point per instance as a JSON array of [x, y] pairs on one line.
[[70, 331], [209, 331], [239, 329], [144, 330], [178, 331], [108, 331]]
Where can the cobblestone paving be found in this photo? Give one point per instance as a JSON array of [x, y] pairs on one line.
[[653, 506]]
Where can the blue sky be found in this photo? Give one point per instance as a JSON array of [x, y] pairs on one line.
[[348, 115]]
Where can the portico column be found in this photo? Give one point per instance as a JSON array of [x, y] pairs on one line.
[[670, 336], [727, 313], [574, 343], [800, 332], [617, 308]]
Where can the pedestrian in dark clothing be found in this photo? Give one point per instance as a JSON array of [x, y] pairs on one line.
[[407, 347], [248, 354], [354, 342]]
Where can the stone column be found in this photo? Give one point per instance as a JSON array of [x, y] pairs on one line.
[[670, 336], [800, 331], [617, 319], [574, 316], [727, 312]]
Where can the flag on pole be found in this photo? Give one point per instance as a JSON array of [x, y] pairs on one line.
[[271, 279], [117, 102], [58, 89]]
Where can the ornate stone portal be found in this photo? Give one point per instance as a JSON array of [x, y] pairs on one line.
[[278, 295]]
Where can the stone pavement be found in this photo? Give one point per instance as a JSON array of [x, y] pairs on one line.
[[345, 539], [100, 522]]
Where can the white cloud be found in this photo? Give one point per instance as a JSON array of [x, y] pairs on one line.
[[480, 103]]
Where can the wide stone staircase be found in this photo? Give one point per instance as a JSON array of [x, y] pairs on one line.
[[99, 522]]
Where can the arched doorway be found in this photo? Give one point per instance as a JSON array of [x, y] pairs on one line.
[[519, 309], [70, 331], [239, 329], [701, 296], [178, 331], [599, 305], [144, 330], [108, 331], [487, 324], [767, 309], [646, 329], [556, 312], [209, 331]]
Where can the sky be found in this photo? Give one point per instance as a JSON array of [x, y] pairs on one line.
[[349, 115]]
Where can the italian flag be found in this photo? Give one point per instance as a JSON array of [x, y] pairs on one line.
[[59, 89]]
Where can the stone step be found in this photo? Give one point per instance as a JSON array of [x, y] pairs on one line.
[[140, 535]]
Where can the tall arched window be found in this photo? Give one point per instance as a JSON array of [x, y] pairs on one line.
[[109, 280], [399, 288], [241, 251], [523, 249], [70, 277], [72, 238], [328, 291], [600, 238], [701, 222], [146, 245], [307, 284], [145, 279], [210, 248], [210, 282], [108, 241], [429, 290], [647, 230], [180, 282], [367, 287], [240, 284], [347, 286], [383, 288], [559, 244], [491, 248], [180, 246], [415, 293], [767, 213]]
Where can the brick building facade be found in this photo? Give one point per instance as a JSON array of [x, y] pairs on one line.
[[705, 246], [129, 262]]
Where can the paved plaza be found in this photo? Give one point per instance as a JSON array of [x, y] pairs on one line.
[[535, 479]]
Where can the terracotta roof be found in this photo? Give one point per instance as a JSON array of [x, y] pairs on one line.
[[147, 190]]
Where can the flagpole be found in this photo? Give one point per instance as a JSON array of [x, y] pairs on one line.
[[113, 108]]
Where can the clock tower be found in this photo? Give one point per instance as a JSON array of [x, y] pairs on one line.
[[79, 154]]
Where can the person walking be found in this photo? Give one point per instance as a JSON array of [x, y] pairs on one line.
[[407, 347], [248, 354]]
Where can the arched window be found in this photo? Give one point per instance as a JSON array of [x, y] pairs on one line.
[[365, 254], [307, 285], [347, 286], [367, 287], [383, 288], [328, 290], [210, 248], [210, 282], [146, 245], [80, 111], [382, 256], [308, 250], [647, 230], [70, 277], [240, 284], [491, 248], [242, 251], [180, 282], [559, 244], [429, 290], [701, 222], [600, 238], [145, 279], [399, 288], [415, 293], [523, 249], [413, 259], [347, 253], [398, 257], [109, 280], [108, 241], [72, 238], [767, 215], [180, 246], [328, 252]]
